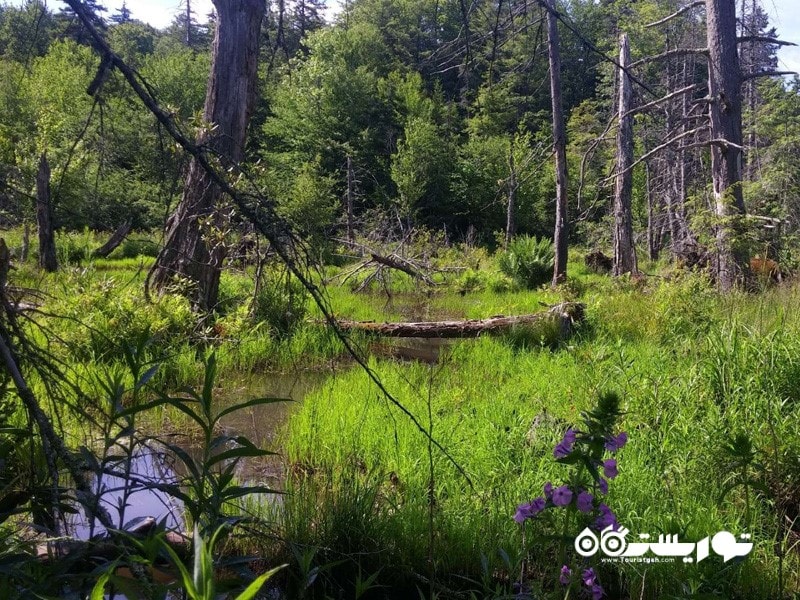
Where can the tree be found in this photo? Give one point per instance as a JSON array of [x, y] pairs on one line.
[[624, 250], [724, 92], [123, 15], [560, 237], [194, 247], [73, 27]]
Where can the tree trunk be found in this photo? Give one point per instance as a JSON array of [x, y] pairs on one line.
[[26, 242], [44, 218], [561, 233], [350, 194], [511, 224], [194, 249], [564, 314], [724, 83], [115, 240], [624, 250]]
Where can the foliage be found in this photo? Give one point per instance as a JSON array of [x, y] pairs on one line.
[[281, 302], [528, 261]]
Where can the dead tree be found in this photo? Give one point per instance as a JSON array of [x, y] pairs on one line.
[[725, 100], [349, 200], [44, 218], [512, 185], [561, 233], [194, 248], [624, 249], [115, 240]]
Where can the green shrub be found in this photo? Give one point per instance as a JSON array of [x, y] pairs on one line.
[[528, 261], [281, 303], [133, 247]]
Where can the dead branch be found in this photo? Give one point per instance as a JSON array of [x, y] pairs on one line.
[[749, 76], [676, 93], [658, 149], [115, 240], [259, 210], [678, 13], [669, 54], [763, 40]]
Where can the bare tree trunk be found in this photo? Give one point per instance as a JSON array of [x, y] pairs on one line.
[[115, 240], [194, 247], [653, 218], [189, 23], [624, 250], [724, 83], [350, 193], [26, 242], [511, 182], [44, 218], [561, 233]]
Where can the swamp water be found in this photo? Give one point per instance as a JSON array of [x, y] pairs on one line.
[[132, 502]]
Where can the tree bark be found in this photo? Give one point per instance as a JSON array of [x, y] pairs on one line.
[[511, 182], [565, 314], [724, 83], [115, 240], [44, 218], [624, 250], [561, 233], [351, 237], [194, 249]]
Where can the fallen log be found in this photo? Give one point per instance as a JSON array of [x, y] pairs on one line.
[[565, 314], [395, 262]]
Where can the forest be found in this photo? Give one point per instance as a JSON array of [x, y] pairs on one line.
[[437, 299]]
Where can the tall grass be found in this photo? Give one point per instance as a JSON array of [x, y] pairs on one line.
[[691, 374]]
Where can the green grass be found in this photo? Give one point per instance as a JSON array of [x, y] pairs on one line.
[[693, 369]]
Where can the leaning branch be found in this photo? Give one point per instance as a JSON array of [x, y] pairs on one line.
[[257, 209], [749, 76], [670, 54], [763, 40], [668, 97], [678, 13], [658, 149]]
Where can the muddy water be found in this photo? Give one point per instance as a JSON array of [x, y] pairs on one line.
[[263, 424]]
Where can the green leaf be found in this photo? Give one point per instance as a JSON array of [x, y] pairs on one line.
[[248, 404], [251, 590], [147, 377], [99, 589], [240, 452]]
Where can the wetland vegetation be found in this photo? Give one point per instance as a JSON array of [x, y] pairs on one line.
[[203, 404]]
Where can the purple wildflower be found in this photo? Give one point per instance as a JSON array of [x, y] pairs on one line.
[[548, 491], [562, 496], [564, 447], [584, 502], [603, 485], [614, 443], [590, 581], [597, 591], [606, 518], [566, 573], [531, 509], [610, 468]]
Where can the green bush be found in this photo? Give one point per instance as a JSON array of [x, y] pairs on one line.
[[281, 303], [528, 261], [134, 247]]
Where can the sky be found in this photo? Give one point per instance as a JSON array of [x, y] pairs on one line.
[[784, 14]]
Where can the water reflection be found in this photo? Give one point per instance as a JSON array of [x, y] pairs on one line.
[[129, 501]]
